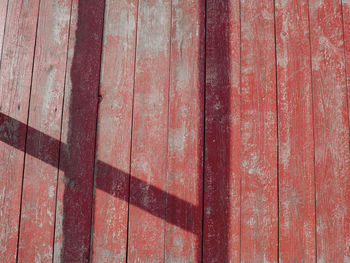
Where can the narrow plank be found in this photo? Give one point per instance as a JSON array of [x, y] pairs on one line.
[[3, 12], [15, 80], [110, 218], [185, 137], [332, 160], [149, 140], [75, 182], [221, 236], [40, 178], [346, 24], [259, 218], [295, 128]]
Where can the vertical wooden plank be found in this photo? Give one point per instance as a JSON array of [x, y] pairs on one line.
[[332, 160], [221, 240], [185, 139], [3, 12], [40, 178], [75, 182], [114, 132], [346, 24], [149, 142], [295, 128], [15, 80], [259, 133]]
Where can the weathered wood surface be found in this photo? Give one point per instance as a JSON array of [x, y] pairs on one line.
[[150, 132], [295, 131], [40, 178], [3, 12], [172, 131], [183, 236], [110, 218], [259, 203], [331, 126], [15, 81]]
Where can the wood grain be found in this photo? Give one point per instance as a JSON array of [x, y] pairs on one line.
[[75, 183], [114, 132], [332, 160], [346, 28], [15, 81], [221, 240], [259, 218], [185, 138], [150, 125], [40, 178], [3, 12], [346, 25], [295, 128]]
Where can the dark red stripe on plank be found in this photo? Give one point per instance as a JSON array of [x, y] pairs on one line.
[[221, 237], [74, 198]]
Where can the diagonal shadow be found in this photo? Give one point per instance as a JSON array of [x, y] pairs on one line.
[[77, 156], [48, 142]]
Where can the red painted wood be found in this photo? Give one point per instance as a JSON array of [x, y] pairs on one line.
[[75, 184], [332, 160], [221, 240], [15, 79], [346, 24], [295, 128], [114, 132], [149, 140], [40, 178], [259, 218], [185, 139], [3, 12]]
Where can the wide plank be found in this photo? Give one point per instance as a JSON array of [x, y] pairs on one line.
[[149, 135], [295, 129], [15, 81], [222, 177], [75, 182], [183, 237], [331, 126], [110, 218], [259, 206]]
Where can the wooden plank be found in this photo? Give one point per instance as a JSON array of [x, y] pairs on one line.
[[346, 25], [3, 13], [332, 160], [295, 128], [74, 197], [149, 140], [185, 137], [110, 217], [259, 218], [40, 178], [221, 236], [15, 80]]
